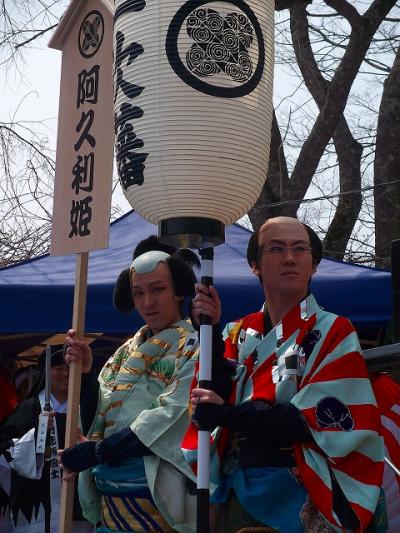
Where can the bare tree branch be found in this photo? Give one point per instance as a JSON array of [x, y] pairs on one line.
[[347, 10], [349, 151], [280, 5], [336, 98], [36, 36]]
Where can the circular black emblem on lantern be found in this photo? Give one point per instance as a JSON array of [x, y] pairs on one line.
[[91, 34], [220, 44]]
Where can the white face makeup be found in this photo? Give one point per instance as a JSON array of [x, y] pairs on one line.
[[154, 297]]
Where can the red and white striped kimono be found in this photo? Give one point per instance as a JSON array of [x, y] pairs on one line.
[[313, 359], [387, 393]]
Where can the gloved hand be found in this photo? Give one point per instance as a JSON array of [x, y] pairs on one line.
[[208, 416], [80, 457], [112, 450], [120, 446], [278, 425]]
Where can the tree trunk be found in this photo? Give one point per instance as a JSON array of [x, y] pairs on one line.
[[277, 180], [331, 98], [348, 150], [387, 167]]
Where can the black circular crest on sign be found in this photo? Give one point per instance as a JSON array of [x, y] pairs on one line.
[[91, 34], [185, 74]]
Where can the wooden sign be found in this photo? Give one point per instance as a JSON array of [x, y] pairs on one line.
[[83, 180], [83, 184]]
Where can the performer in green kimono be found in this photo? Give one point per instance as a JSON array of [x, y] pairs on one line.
[[142, 482]]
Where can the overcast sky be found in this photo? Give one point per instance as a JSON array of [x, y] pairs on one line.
[[32, 94]]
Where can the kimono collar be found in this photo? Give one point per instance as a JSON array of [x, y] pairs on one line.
[[295, 318]]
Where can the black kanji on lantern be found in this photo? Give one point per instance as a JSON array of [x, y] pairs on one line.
[[130, 52], [130, 162]]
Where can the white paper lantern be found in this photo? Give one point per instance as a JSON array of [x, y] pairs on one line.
[[193, 109]]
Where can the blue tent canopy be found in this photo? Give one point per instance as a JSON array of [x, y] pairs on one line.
[[37, 295]]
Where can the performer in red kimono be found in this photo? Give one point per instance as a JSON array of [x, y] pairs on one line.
[[387, 393], [303, 450]]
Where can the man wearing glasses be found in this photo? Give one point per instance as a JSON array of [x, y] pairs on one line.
[[303, 450]]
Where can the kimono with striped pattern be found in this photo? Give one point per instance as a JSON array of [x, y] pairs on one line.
[[313, 359], [387, 393]]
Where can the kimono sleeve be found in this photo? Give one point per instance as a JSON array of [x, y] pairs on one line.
[[337, 401]]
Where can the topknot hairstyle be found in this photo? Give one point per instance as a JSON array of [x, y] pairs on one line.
[[149, 244], [315, 243], [180, 264]]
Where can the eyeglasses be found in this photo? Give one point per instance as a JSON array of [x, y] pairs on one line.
[[279, 249]]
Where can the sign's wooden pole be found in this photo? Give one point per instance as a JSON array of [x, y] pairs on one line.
[[74, 387]]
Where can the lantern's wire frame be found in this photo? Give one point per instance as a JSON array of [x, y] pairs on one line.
[[205, 377]]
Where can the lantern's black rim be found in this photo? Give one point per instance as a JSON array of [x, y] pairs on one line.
[[191, 232]]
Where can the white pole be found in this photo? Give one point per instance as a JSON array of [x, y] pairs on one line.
[[205, 375]]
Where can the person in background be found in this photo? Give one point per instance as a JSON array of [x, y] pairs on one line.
[[36, 478], [304, 451], [135, 475], [6, 524], [8, 394], [24, 379], [8, 402], [387, 393]]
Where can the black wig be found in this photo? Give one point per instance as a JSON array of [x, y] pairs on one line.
[[180, 264]]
